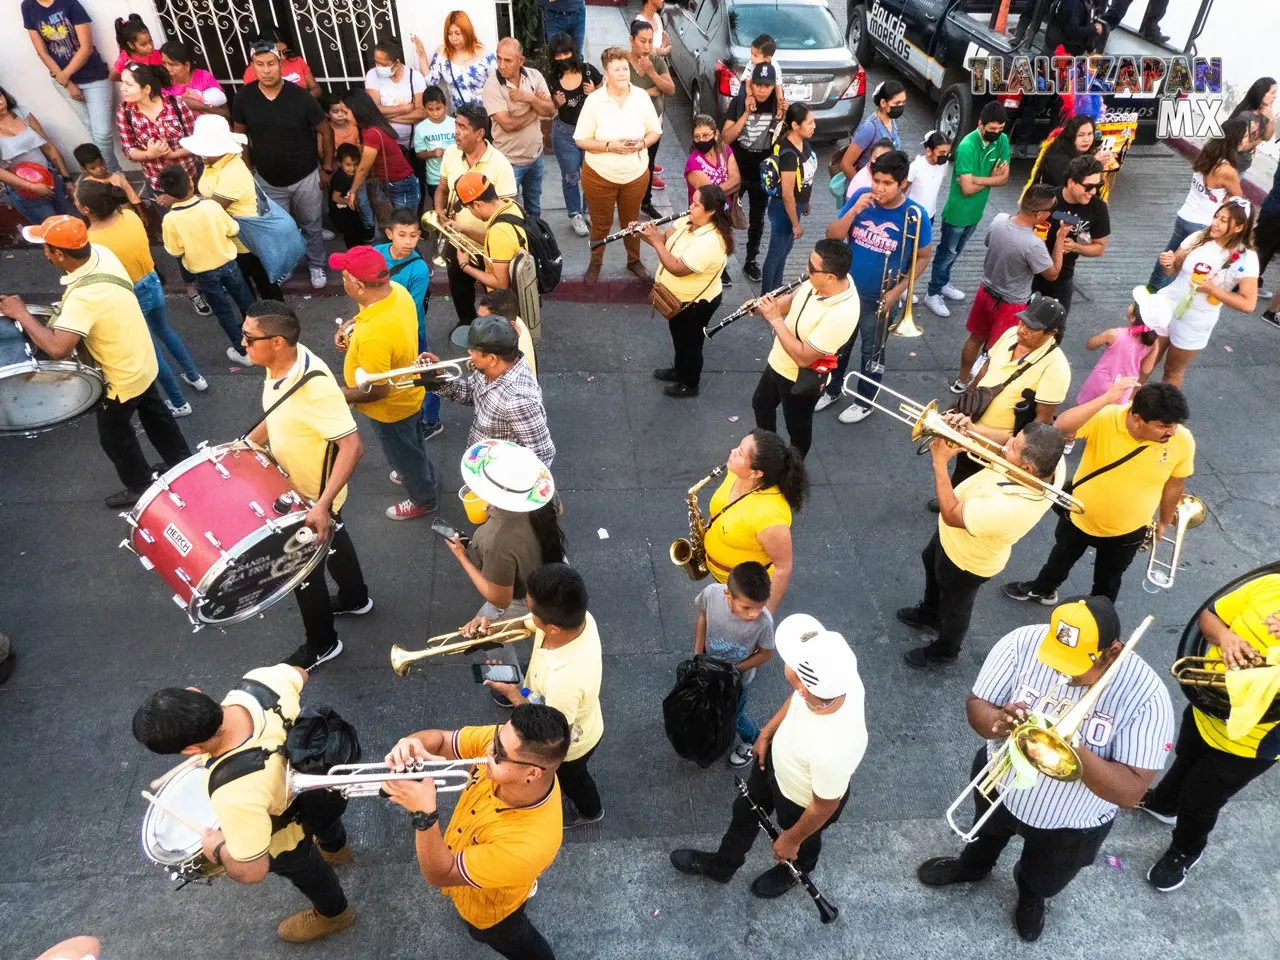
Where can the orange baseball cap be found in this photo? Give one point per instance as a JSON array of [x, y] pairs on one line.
[[471, 185], [64, 232]]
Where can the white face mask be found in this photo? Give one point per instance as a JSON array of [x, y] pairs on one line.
[[384, 72]]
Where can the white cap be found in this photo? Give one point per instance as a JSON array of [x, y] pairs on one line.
[[821, 658], [1155, 309]]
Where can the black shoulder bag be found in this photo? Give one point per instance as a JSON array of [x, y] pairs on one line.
[[1076, 484], [975, 400]]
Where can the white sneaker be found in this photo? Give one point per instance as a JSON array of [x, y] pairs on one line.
[[937, 305], [182, 411], [236, 357], [824, 401], [579, 224], [856, 413], [327, 234], [199, 384], [318, 279], [740, 755], [915, 298], [952, 292], [394, 477]]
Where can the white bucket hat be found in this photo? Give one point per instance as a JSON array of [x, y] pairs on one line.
[[1156, 311], [821, 658], [507, 476], [212, 137]]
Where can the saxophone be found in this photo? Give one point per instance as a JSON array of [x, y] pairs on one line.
[[691, 554]]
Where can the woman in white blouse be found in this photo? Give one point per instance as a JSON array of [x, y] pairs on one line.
[[461, 65], [396, 89]]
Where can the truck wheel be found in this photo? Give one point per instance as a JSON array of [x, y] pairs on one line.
[[955, 112], [858, 38]]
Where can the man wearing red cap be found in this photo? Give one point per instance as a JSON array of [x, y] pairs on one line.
[[100, 308], [384, 336]]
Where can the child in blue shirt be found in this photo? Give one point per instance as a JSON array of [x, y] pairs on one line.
[[413, 272]]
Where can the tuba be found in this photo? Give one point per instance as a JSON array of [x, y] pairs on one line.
[[691, 554], [1187, 515]]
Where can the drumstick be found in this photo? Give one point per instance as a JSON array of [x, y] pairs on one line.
[[169, 811]]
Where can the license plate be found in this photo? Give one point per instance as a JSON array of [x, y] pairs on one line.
[[797, 92]]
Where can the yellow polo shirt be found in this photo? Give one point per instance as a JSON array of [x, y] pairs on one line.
[[825, 323], [503, 240], [111, 326], [127, 239], [1126, 497], [500, 851], [733, 532], [201, 233], [302, 431], [492, 164], [1047, 373], [997, 514], [702, 250], [228, 178], [1245, 611], [603, 118], [385, 337], [568, 678]]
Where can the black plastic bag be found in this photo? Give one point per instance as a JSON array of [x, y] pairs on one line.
[[700, 710], [319, 739]]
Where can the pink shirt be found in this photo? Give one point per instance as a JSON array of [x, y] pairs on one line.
[[703, 163], [1122, 359], [126, 58], [201, 80]]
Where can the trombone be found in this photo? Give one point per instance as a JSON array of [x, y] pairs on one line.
[[404, 378], [927, 423], [500, 632], [1039, 746], [453, 237], [906, 326], [1187, 515], [366, 779]]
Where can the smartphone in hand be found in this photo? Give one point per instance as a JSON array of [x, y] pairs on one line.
[[500, 672]]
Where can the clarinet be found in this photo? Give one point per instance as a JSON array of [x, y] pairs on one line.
[[826, 911], [628, 231], [750, 305]]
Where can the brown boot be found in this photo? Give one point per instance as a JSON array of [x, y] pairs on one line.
[[308, 925], [592, 274], [637, 269], [339, 857]]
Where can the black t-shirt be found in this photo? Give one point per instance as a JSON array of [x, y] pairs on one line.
[[757, 136], [573, 98], [1095, 223], [282, 132], [803, 164]]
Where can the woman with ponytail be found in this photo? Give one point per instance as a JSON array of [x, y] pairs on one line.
[[750, 512], [150, 124]]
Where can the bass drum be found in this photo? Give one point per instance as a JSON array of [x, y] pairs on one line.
[[1211, 700], [38, 393]]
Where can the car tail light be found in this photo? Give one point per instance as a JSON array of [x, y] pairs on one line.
[[727, 81], [857, 86]]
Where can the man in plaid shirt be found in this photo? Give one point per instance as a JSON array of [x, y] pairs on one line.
[[502, 388]]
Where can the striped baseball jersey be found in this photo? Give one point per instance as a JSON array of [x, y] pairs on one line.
[[1131, 723]]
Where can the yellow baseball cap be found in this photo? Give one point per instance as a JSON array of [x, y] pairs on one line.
[[1078, 631]]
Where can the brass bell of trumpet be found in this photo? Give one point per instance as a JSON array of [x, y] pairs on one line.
[[500, 632], [1187, 515]]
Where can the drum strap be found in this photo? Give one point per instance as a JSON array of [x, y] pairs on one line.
[[99, 278], [252, 761], [309, 375]]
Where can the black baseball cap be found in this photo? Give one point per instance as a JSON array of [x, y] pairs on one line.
[[1043, 313], [493, 335], [764, 73]]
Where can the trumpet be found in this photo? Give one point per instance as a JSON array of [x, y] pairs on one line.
[[927, 423], [500, 632], [366, 779], [1040, 746], [691, 554], [628, 231], [750, 305], [906, 326], [1187, 515], [404, 378], [453, 237]]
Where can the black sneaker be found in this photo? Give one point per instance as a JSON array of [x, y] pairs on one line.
[[1170, 871], [1021, 590], [922, 658], [912, 618], [429, 430], [680, 390], [123, 498], [665, 374], [1153, 35], [697, 864], [1028, 916], [944, 871], [340, 609], [201, 305], [774, 882], [1269, 316], [752, 271], [725, 279], [308, 658], [1146, 806], [572, 818], [650, 211]]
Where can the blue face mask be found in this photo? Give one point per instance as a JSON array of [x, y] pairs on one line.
[[384, 72]]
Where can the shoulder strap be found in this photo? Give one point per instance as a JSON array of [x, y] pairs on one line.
[[267, 698], [799, 313], [518, 222], [177, 112], [1075, 484], [309, 375], [1024, 367], [729, 506], [237, 765], [94, 278], [412, 258]]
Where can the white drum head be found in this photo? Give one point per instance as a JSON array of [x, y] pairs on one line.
[[37, 400], [164, 839]]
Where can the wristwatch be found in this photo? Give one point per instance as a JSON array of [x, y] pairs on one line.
[[424, 821]]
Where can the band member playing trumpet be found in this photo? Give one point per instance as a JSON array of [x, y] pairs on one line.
[[505, 829], [1212, 762], [1136, 459], [979, 522], [260, 830], [313, 436], [1124, 743], [384, 336], [878, 223], [504, 232], [813, 322]]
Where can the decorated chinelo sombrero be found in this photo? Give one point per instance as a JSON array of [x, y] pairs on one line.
[[507, 475]]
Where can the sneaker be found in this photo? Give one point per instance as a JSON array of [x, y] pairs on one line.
[[944, 871], [341, 610], [433, 430], [201, 305], [572, 818], [855, 413], [824, 401], [650, 211], [1269, 316], [1170, 871], [327, 234], [235, 356], [952, 292], [679, 390], [956, 385], [658, 182], [1028, 916], [725, 279], [308, 659], [697, 864], [408, 510], [338, 858], [915, 299], [752, 271], [394, 477], [579, 224], [935, 303], [182, 411], [1145, 805], [665, 374], [1021, 590], [923, 658], [774, 882], [740, 756], [123, 498], [199, 384], [912, 617], [657, 168], [309, 925], [318, 279]]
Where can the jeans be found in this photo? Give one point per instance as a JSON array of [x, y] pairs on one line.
[[150, 296], [774, 390], [120, 443], [743, 724], [949, 593], [1114, 554], [220, 286], [98, 115], [577, 785], [304, 201], [603, 197], [572, 22], [313, 593], [1181, 230], [781, 240], [38, 210], [570, 159], [514, 937], [945, 253], [529, 185], [401, 193], [365, 207], [687, 339], [869, 333], [307, 870], [401, 443]]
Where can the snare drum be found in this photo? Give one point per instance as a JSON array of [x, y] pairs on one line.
[[174, 845], [224, 529], [38, 393]]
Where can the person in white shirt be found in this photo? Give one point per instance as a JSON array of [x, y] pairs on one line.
[[651, 13], [928, 171], [397, 89], [805, 758]]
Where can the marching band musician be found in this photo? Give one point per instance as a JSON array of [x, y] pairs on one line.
[[1212, 761], [1136, 459], [1125, 742], [874, 222], [260, 831], [313, 436], [504, 231], [505, 829], [812, 323], [503, 303]]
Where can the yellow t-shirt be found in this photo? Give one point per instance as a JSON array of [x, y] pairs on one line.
[[1245, 611], [127, 239], [228, 178], [825, 323], [111, 324], [385, 337], [500, 851], [492, 164], [1126, 497], [503, 240], [997, 514], [302, 430], [603, 118], [526, 345], [245, 805], [818, 753], [1050, 378], [733, 532], [568, 678], [201, 233], [702, 250]]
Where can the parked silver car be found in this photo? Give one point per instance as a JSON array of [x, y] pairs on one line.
[[711, 47]]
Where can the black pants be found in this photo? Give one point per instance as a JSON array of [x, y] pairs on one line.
[[577, 784], [256, 276], [320, 815], [462, 288], [756, 199], [743, 827], [514, 937], [1199, 784], [313, 593], [949, 593], [1266, 239], [797, 411], [120, 443], [1114, 554], [653, 159], [1151, 19], [1060, 289], [1050, 858], [687, 339]]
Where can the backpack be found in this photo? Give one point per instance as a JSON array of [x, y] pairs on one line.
[[542, 246]]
